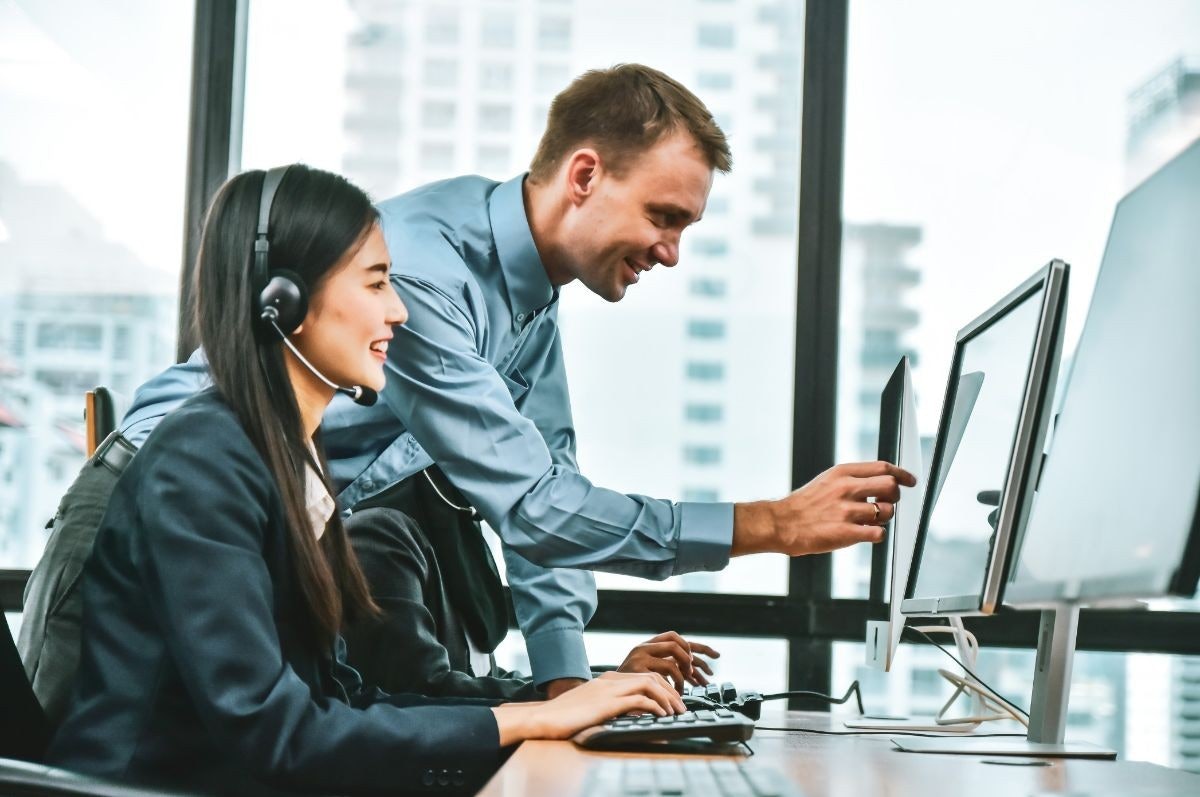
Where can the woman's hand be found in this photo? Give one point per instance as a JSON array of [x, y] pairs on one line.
[[673, 657], [608, 696]]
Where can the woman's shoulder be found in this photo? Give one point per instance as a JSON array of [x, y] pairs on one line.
[[204, 429]]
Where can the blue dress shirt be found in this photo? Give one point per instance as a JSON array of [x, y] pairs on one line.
[[476, 383]]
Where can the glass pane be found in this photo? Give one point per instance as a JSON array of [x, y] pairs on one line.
[[758, 665], [979, 147], [683, 390], [1142, 705], [92, 170]]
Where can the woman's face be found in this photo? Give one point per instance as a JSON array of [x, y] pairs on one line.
[[350, 318]]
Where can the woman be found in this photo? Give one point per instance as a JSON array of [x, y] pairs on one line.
[[222, 575]]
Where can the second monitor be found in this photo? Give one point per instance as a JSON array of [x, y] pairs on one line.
[[988, 449]]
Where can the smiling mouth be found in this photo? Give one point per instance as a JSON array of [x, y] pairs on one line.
[[379, 347], [636, 268]]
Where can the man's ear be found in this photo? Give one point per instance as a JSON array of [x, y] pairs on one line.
[[583, 170]]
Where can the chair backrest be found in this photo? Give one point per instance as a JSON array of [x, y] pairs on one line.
[[24, 732], [99, 416]]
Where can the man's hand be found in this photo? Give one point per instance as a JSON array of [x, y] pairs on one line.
[[830, 512], [557, 687], [672, 657]]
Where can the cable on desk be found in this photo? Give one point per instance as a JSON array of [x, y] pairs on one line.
[[888, 733], [837, 701], [968, 671]]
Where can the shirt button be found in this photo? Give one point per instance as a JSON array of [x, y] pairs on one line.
[[520, 316]]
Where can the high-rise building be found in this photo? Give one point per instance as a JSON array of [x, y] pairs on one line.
[[76, 311], [1164, 117], [683, 390]]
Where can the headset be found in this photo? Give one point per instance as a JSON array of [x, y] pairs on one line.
[[280, 295]]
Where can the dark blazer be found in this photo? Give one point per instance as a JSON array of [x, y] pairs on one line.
[[192, 668], [418, 643]]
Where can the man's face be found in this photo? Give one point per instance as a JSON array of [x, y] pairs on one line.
[[630, 223]]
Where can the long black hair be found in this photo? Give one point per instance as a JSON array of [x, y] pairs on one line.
[[317, 220]]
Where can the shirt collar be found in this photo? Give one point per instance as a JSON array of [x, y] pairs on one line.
[[529, 288], [319, 504]]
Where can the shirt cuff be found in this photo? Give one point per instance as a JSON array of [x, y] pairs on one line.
[[558, 653], [705, 537]]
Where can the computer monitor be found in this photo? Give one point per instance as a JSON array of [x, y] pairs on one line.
[[899, 443], [1117, 513], [988, 449]]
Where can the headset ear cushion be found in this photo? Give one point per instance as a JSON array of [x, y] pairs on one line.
[[285, 291]]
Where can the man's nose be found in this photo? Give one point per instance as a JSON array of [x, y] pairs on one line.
[[666, 252]]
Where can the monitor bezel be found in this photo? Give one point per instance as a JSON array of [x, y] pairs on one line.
[[1025, 453]]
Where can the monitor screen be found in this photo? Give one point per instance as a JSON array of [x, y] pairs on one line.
[[992, 421], [1116, 513]]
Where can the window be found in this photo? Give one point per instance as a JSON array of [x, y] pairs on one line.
[[441, 73], [495, 76], [441, 25], [702, 455], [1142, 705], [706, 371], [437, 115], [710, 247], [707, 286], [554, 33], [90, 232], [715, 81], [498, 30], [58, 335], [717, 37], [909, 240], [705, 329], [703, 413], [494, 118]]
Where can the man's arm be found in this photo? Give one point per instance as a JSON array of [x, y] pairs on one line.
[[462, 412], [163, 393]]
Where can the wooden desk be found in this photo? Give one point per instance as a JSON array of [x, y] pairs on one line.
[[850, 766]]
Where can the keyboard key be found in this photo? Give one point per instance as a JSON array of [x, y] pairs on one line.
[[728, 692]]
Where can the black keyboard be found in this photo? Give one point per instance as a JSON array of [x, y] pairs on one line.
[[724, 695], [683, 778], [635, 732]]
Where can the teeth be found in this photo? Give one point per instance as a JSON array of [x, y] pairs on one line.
[[380, 347]]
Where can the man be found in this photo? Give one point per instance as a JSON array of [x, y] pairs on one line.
[[476, 383]]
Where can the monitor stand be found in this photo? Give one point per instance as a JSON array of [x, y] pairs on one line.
[[1048, 713], [966, 654]]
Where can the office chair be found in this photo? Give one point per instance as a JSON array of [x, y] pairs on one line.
[[99, 416], [24, 732], [25, 735]]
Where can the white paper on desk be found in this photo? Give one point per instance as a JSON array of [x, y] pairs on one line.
[[908, 512]]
